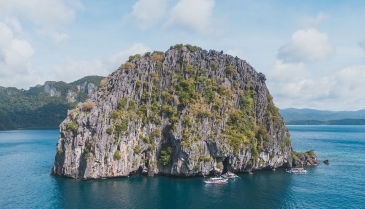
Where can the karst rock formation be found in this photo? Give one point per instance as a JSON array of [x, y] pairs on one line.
[[186, 112]]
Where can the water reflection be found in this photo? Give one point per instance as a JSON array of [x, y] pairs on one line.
[[261, 190]]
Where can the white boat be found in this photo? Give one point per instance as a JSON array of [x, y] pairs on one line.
[[297, 171], [229, 175], [218, 180]]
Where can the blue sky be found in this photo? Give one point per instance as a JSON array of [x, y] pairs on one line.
[[312, 52]]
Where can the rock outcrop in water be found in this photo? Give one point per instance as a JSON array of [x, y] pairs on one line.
[[304, 158], [185, 112]]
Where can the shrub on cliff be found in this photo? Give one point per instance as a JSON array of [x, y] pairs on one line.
[[166, 154], [158, 56], [117, 155], [72, 126], [155, 133], [196, 166], [131, 58], [213, 65], [187, 121], [272, 109], [137, 150], [132, 105], [59, 151], [74, 111], [219, 165], [128, 65], [310, 153], [122, 103], [261, 133], [230, 70], [104, 82], [192, 48], [109, 131], [205, 158], [88, 106]]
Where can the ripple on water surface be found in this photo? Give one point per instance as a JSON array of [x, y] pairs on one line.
[[26, 158]]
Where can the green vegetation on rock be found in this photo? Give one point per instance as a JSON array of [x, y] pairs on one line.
[[166, 154], [137, 150], [88, 149], [72, 126], [117, 155], [59, 151]]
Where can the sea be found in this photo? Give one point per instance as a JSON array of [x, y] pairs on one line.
[[27, 156]]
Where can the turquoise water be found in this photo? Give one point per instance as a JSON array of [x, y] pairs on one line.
[[26, 158]]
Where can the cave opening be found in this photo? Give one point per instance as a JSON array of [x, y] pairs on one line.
[[140, 170], [225, 165]]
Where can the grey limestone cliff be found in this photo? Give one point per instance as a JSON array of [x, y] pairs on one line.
[[185, 112], [50, 89]]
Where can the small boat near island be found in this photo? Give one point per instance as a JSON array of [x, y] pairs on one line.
[[217, 180], [229, 175], [297, 171]]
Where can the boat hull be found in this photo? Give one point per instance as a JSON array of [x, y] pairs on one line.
[[216, 181], [297, 171]]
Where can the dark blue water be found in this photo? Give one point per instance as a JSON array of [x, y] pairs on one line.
[[26, 158]]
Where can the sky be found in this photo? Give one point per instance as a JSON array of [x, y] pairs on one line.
[[312, 52]]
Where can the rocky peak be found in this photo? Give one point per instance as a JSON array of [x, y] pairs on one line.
[[185, 112]]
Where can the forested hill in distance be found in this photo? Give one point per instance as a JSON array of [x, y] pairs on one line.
[[43, 106], [293, 116]]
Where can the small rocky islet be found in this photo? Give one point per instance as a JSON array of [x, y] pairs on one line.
[[185, 112]]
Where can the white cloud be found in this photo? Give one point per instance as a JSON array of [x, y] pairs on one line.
[[193, 14], [45, 13], [116, 60], [72, 69], [293, 86], [306, 46], [15, 65], [49, 16], [147, 12], [290, 80], [14, 23], [16, 53], [56, 36]]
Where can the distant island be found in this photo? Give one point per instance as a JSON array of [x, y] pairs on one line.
[[329, 122], [293, 116], [43, 106]]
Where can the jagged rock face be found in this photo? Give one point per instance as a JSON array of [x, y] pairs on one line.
[[49, 89], [181, 113], [88, 88], [71, 96]]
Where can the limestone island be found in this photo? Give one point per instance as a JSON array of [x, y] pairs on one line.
[[186, 112]]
